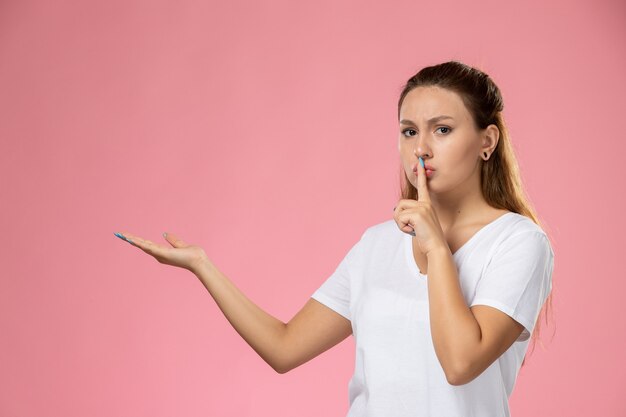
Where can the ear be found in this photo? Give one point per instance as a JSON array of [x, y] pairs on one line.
[[491, 136]]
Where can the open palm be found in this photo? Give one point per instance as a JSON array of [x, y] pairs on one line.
[[179, 254]]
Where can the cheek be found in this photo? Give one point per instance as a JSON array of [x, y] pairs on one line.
[[405, 153], [460, 166], [457, 160], [460, 156]]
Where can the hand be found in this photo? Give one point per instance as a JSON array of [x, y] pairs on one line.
[[182, 255], [418, 217]]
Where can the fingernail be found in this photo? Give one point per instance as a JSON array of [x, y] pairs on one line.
[[421, 162], [123, 237], [164, 234]]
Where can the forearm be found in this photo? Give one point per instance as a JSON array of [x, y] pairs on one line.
[[263, 332], [455, 331]]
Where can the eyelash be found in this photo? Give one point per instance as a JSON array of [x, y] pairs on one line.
[[441, 127]]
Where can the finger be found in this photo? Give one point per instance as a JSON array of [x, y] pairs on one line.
[[124, 236], [404, 204], [151, 248], [402, 220], [174, 240], [127, 236], [422, 187], [146, 245]]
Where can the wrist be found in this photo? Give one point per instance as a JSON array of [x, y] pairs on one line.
[[438, 251], [202, 267]]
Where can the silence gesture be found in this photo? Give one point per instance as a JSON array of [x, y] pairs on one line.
[[418, 217]]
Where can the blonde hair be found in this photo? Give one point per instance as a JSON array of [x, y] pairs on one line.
[[501, 181]]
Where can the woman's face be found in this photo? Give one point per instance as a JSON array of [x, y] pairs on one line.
[[435, 124]]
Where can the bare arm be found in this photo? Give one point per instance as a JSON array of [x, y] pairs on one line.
[[466, 340], [313, 330]]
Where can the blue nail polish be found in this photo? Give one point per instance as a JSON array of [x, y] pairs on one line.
[[421, 162], [122, 237]]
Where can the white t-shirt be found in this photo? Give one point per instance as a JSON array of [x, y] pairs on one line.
[[507, 264]]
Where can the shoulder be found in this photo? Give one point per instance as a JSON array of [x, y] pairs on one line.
[[515, 223], [521, 231], [386, 229], [384, 233]]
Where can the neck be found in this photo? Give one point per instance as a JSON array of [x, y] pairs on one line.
[[463, 205]]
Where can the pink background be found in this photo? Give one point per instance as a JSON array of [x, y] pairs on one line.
[[266, 132]]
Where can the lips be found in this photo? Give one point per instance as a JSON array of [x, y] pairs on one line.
[[426, 167]]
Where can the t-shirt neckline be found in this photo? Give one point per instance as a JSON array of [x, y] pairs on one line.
[[408, 244]]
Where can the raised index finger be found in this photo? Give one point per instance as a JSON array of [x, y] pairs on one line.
[[422, 186]]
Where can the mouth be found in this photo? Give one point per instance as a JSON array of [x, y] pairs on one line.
[[429, 170]]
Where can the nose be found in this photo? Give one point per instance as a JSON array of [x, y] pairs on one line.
[[421, 146]]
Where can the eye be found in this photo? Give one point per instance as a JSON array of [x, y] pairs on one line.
[[407, 130], [444, 127]]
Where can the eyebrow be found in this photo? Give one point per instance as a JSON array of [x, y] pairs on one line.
[[434, 119]]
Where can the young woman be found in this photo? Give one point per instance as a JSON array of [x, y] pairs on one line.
[[442, 299]]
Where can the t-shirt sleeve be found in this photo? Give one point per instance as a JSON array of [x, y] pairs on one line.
[[334, 293], [518, 278]]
